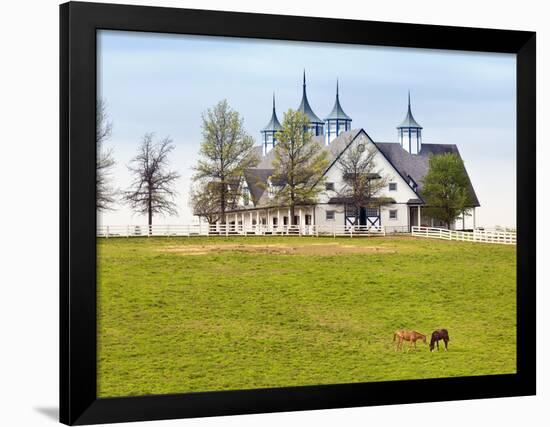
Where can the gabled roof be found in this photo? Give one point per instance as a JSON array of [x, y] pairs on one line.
[[306, 108], [416, 166], [337, 112], [409, 121], [273, 124], [257, 180], [408, 166]]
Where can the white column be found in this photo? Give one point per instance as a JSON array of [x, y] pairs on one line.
[[419, 217], [300, 218], [258, 218], [278, 218], [474, 217]]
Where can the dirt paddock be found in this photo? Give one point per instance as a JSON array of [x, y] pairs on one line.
[[283, 249]]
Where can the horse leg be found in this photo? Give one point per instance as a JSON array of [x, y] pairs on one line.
[[437, 342], [445, 340]]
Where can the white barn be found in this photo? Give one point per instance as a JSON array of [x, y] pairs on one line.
[[403, 163]]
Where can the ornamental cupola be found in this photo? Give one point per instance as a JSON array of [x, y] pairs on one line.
[[270, 130], [337, 121], [409, 132]]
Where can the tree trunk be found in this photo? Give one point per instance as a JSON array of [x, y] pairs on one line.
[[150, 210], [222, 203]]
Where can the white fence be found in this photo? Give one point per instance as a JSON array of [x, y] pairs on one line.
[[484, 236], [238, 230]]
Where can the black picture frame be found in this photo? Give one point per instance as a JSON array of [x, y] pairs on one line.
[[78, 25]]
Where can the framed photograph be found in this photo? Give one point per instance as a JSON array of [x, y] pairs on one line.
[[266, 213]]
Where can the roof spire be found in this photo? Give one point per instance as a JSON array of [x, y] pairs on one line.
[[337, 111], [409, 121], [273, 124], [306, 108]]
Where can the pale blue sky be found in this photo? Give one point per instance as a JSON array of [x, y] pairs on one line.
[[163, 83]]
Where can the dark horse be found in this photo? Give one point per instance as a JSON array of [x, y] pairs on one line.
[[440, 334]]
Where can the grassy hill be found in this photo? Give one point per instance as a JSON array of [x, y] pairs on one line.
[[199, 314]]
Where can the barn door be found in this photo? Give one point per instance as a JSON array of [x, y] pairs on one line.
[[372, 217]]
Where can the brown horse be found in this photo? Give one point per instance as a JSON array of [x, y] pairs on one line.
[[405, 335], [440, 334]]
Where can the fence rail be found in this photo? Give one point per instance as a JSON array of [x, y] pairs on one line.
[[483, 236], [238, 230]]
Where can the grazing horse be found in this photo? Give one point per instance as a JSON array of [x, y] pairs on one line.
[[405, 335], [440, 334]]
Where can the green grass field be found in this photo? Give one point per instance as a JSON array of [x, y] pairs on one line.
[[199, 314]]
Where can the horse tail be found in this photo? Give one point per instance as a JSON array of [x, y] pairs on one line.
[[394, 335]]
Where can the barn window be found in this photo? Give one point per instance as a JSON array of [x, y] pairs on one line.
[[393, 186], [246, 196], [285, 220], [370, 212], [393, 214], [329, 215], [329, 186], [275, 220]]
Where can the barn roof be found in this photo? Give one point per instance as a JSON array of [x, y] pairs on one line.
[[410, 166], [416, 166]]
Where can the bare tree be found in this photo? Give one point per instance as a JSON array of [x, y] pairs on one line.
[[152, 190], [226, 151], [105, 193], [362, 181], [204, 201]]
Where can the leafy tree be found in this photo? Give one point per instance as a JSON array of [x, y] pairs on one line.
[[446, 188], [226, 151], [362, 180], [152, 190], [299, 164], [105, 193]]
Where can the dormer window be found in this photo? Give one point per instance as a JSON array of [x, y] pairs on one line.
[[393, 186], [329, 186]]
